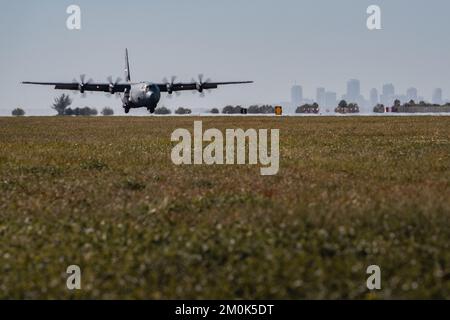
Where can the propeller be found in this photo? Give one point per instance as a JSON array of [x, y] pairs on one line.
[[112, 87], [82, 84], [170, 86], [200, 85]]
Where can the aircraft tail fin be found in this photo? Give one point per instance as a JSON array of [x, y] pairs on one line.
[[127, 67]]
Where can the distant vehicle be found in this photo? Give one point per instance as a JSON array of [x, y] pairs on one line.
[[139, 94]]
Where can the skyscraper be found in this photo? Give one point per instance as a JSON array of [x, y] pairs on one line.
[[296, 95], [353, 90], [387, 97], [411, 94], [374, 99], [320, 96], [330, 100], [437, 96]]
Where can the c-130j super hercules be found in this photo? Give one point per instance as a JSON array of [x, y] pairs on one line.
[[139, 94]]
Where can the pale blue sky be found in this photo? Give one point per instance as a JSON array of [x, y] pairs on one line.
[[275, 43]]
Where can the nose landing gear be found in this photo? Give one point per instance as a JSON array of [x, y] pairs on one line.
[[126, 100]]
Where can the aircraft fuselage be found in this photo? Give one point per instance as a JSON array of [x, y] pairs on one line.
[[142, 94]]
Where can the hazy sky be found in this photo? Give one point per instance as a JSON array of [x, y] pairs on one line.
[[275, 43]]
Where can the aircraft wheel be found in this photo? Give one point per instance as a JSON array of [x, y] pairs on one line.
[[127, 110], [151, 110]]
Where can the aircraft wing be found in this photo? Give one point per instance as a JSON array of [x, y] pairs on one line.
[[91, 86], [180, 86]]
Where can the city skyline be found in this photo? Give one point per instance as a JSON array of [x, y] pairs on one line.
[[386, 96]]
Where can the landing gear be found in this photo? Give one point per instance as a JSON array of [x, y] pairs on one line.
[[126, 100], [151, 110]]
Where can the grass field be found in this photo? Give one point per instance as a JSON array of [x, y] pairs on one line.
[[103, 193]]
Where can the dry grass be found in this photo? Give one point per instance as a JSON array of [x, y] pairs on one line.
[[103, 193]]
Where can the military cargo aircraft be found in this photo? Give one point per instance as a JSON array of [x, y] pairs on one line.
[[137, 94]]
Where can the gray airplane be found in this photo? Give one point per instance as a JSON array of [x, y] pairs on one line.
[[139, 94]]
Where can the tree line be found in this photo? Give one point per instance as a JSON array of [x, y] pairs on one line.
[[342, 107], [229, 109], [61, 105], [165, 111], [253, 109], [380, 108]]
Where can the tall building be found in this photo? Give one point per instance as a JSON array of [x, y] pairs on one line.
[[330, 100], [296, 95], [388, 94], [353, 90], [411, 94], [320, 96], [437, 96], [374, 99]]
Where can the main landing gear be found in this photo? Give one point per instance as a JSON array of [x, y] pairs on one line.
[[151, 109], [127, 109]]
